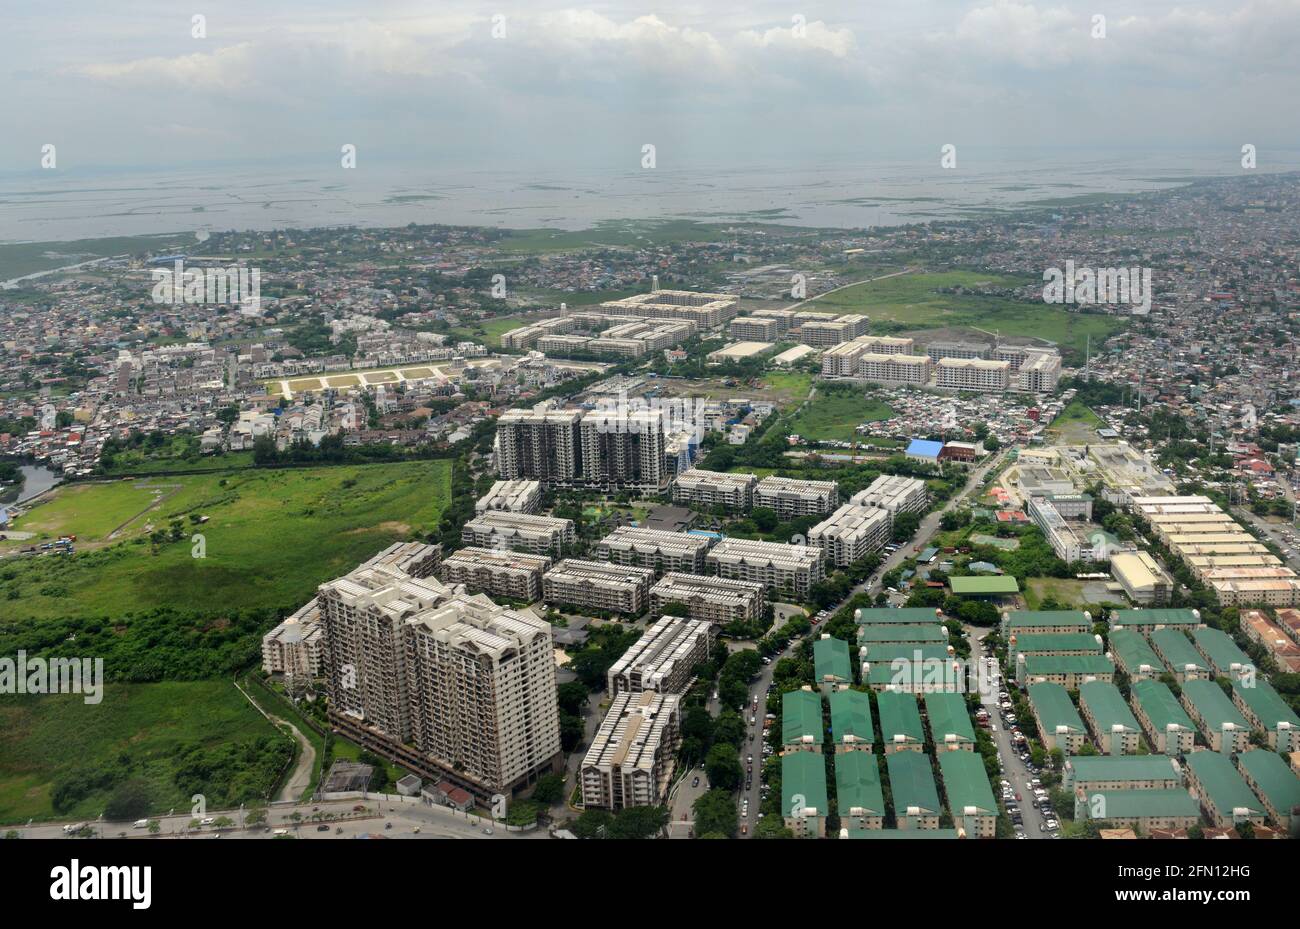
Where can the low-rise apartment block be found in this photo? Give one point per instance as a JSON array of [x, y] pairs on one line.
[[598, 585], [1135, 656], [1069, 671], [1267, 712], [1108, 716], [656, 549], [972, 374], [520, 532], [498, 573], [712, 599], [950, 725], [707, 489], [1180, 657], [970, 796], [630, 761], [858, 793], [803, 794], [850, 533], [1258, 627], [517, 496], [1059, 725], [801, 721], [664, 659], [1223, 794], [1141, 809], [1275, 784], [1146, 622], [1092, 773], [851, 726], [754, 329], [1223, 726], [790, 497], [787, 569], [900, 722], [1163, 718], [1033, 622], [911, 781], [894, 493], [1226, 659], [832, 666]]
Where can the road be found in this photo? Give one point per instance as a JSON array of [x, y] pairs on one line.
[[795, 306], [1273, 531]]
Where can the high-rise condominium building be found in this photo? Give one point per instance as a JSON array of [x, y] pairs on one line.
[[664, 659], [449, 685], [630, 762], [576, 448]]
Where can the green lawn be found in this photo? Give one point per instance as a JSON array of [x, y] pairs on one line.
[[1076, 425], [834, 417], [272, 537], [45, 738], [913, 301]]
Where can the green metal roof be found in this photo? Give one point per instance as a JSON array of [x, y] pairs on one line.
[[890, 651], [1274, 781], [1127, 804], [1044, 642], [889, 834], [831, 659], [911, 782], [1213, 705], [1265, 703], [874, 616], [804, 774], [1084, 769], [801, 715], [1134, 651], [966, 782], [1030, 619], [851, 715], [1221, 651], [905, 674], [1160, 705], [857, 784], [1177, 650], [1052, 706], [948, 716], [984, 586], [1107, 706], [899, 714], [902, 632], [1224, 784], [1162, 617], [1068, 664]]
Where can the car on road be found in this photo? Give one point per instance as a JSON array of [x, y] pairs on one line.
[[322, 828]]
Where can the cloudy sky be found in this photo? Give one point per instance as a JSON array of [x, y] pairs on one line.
[[709, 83]]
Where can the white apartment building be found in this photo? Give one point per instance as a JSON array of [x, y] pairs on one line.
[[294, 647], [630, 761], [520, 496], [850, 533], [754, 329], [894, 493], [598, 585], [417, 559], [706, 310], [664, 659], [833, 331], [705, 489], [938, 351], [520, 532], [788, 569], [1069, 544], [713, 599], [656, 549], [542, 444], [972, 374], [498, 573], [895, 369], [1039, 373], [449, 685], [791, 497]]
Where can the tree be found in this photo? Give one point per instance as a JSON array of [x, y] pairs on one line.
[[722, 765], [638, 822], [715, 813], [772, 827], [130, 800], [549, 789], [591, 824]]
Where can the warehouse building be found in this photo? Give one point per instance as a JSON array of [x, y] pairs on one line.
[[1142, 578], [1163, 718]]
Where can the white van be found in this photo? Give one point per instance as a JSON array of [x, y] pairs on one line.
[[141, 824]]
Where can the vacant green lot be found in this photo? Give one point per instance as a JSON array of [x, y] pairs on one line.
[[834, 417], [271, 538], [913, 301], [43, 739], [1076, 425]]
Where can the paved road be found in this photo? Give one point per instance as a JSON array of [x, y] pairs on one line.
[[1273, 530]]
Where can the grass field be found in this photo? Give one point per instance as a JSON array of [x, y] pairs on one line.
[[21, 258], [489, 331], [834, 417], [912, 300], [44, 738], [271, 538], [1076, 425]]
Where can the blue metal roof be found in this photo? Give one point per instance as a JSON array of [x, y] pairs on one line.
[[925, 447]]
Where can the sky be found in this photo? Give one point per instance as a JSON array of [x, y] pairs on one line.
[[511, 84]]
